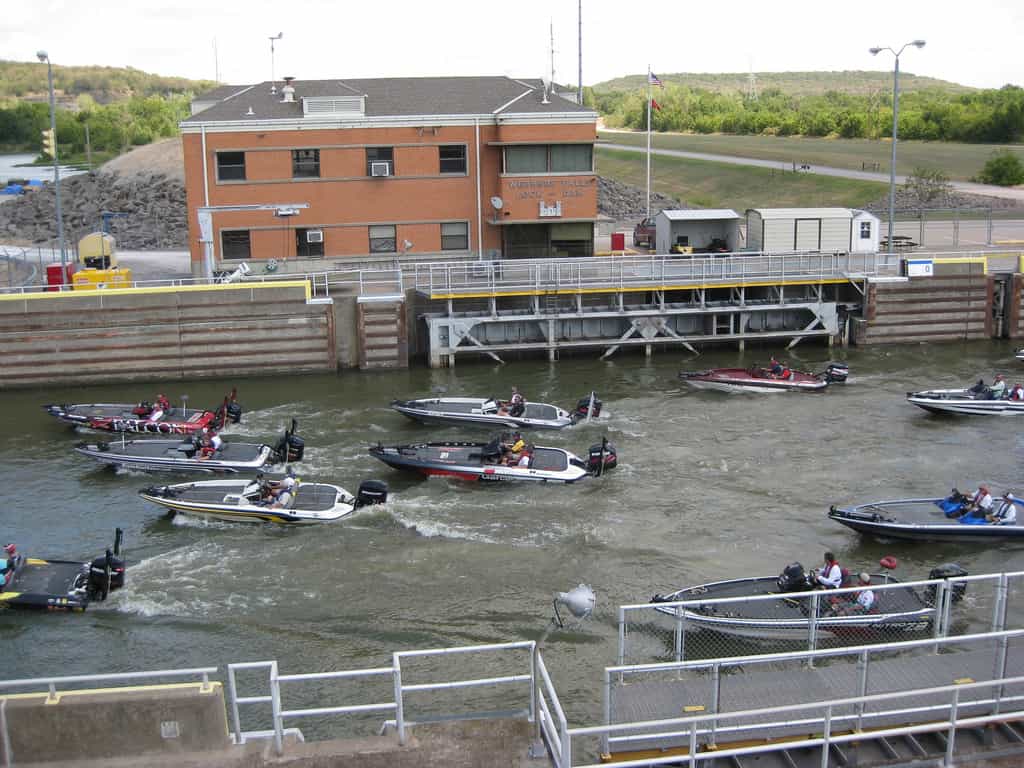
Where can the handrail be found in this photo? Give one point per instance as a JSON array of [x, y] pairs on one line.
[[52, 682]]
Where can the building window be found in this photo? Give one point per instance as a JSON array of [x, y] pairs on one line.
[[231, 166], [566, 158], [380, 161], [554, 158], [453, 158], [865, 230], [309, 243], [235, 244], [305, 163], [382, 238], [455, 236], [532, 159]]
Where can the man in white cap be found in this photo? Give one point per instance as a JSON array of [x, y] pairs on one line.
[[998, 389], [284, 494], [862, 602], [1006, 512]]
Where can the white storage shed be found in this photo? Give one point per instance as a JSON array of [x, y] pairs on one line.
[[811, 229], [707, 230]]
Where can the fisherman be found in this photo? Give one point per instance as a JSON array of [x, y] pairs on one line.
[[1006, 513], [998, 389], [981, 503], [284, 493], [1017, 392], [207, 444], [864, 599], [514, 406], [775, 368], [830, 575], [160, 407]]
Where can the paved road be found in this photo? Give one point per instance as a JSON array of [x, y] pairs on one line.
[[1010, 193]]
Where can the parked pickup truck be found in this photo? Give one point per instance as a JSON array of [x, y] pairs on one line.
[[644, 232]]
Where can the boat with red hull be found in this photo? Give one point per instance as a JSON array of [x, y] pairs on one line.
[[147, 418], [758, 379], [486, 462]]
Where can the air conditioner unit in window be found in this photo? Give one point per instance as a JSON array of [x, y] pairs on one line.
[[380, 169], [314, 236]]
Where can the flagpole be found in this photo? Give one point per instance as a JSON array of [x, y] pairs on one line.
[[648, 141]]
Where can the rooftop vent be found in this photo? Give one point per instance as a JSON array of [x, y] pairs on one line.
[[287, 90], [250, 113]]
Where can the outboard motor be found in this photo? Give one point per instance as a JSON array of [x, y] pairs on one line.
[[836, 373], [793, 579], [106, 572], [295, 447], [947, 571], [233, 411], [371, 492], [583, 407], [600, 457]]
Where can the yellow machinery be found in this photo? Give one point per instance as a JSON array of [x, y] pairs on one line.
[[97, 253]]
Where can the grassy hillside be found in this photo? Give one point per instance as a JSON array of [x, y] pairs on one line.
[[958, 161], [792, 83], [27, 80], [713, 185]]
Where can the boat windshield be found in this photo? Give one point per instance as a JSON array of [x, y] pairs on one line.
[[541, 411], [549, 460]]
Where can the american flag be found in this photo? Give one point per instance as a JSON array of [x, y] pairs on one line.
[[652, 79]]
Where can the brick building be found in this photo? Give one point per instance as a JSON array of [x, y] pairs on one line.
[[408, 168]]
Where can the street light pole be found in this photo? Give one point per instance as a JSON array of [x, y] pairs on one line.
[[42, 56], [895, 125]]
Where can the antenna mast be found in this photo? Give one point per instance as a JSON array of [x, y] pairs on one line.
[[272, 38], [579, 16], [216, 62]]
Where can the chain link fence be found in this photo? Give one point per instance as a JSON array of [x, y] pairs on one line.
[[755, 619]]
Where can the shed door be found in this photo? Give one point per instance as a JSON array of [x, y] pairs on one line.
[[808, 235]]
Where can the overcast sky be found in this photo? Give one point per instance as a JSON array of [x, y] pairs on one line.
[[974, 43]]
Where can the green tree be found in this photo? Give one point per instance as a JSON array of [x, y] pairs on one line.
[[1003, 168]]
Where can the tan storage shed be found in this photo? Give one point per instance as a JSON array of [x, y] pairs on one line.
[[807, 229]]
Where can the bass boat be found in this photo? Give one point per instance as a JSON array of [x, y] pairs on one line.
[[241, 500], [929, 520], [495, 461], [975, 401], [896, 610], [759, 379], [491, 412], [188, 456], [60, 585], [158, 418]]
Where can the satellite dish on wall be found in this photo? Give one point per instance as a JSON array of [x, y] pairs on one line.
[[497, 203]]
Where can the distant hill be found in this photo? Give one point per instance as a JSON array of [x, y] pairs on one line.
[[790, 83], [26, 81]]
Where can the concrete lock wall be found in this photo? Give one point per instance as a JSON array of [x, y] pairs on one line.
[[144, 720], [941, 308], [189, 332]]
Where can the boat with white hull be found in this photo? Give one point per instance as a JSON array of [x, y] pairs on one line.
[[965, 402], [491, 412], [484, 461], [758, 379], [899, 610], [185, 456], [241, 500], [923, 520]]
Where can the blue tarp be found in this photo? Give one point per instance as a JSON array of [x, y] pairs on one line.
[[13, 189]]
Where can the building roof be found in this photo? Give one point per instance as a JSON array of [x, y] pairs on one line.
[[803, 213], [393, 97], [701, 214], [220, 92]]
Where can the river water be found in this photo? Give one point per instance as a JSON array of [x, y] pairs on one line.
[[708, 486], [20, 167]]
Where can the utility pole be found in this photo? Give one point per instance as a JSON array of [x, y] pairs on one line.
[[579, 16]]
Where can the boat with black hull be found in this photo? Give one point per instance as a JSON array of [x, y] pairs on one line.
[[491, 412], [965, 402], [929, 519], [61, 585], [496, 461], [189, 455], [897, 610], [157, 418], [243, 500], [759, 379]]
